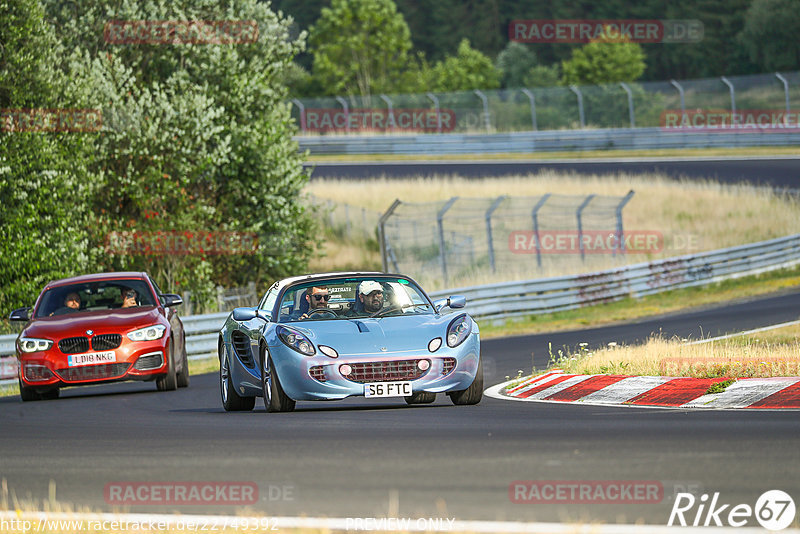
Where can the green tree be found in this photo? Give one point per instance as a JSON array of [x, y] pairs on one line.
[[360, 47], [468, 69], [196, 138], [514, 63], [604, 61], [43, 185], [770, 34]]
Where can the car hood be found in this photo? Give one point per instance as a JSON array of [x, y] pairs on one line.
[[100, 321], [383, 335]]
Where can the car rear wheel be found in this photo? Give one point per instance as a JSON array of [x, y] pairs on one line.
[[275, 399], [231, 400], [183, 374], [28, 394], [474, 393], [169, 381], [421, 397]]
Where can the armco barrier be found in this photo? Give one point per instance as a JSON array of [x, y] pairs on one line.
[[530, 297], [539, 141]]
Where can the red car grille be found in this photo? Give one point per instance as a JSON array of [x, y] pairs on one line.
[[74, 345], [106, 341], [385, 371], [448, 364], [93, 372]]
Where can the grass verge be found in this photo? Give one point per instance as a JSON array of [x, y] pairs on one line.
[[761, 355]]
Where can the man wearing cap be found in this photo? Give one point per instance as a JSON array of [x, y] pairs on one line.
[[370, 294]]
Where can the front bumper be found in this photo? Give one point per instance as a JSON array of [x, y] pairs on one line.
[[140, 360], [295, 371]]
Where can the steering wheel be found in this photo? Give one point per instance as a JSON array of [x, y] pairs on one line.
[[323, 312]]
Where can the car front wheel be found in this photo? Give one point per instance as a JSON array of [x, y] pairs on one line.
[[474, 393], [231, 400], [169, 381], [275, 399]]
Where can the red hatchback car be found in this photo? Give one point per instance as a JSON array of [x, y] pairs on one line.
[[100, 328]]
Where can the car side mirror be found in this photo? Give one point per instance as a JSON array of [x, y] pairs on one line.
[[454, 302], [246, 314], [20, 314], [171, 300]]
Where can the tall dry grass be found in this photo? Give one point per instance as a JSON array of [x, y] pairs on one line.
[[767, 354], [693, 216]]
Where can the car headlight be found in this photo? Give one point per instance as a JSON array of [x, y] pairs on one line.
[[148, 333], [434, 344], [296, 341], [330, 352], [32, 344], [458, 330]]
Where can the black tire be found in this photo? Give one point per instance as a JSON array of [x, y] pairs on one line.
[[275, 399], [183, 374], [421, 397], [50, 394], [473, 394], [169, 381], [28, 394], [231, 400]]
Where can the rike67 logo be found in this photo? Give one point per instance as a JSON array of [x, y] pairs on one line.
[[774, 510]]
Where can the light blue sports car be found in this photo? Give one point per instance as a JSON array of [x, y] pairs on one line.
[[332, 336]]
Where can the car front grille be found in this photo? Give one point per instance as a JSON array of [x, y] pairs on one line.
[[448, 364], [388, 371], [92, 372], [74, 345], [148, 362], [106, 341]]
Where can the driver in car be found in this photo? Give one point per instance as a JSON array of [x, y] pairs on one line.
[[317, 298]]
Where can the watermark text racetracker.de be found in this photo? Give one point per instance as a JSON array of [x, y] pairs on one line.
[[586, 491], [614, 30], [177, 242], [725, 120], [50, 120], [598, 242], [193, 493], [378, 119]]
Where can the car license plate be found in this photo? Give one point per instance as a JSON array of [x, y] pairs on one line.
[[92, 358], [387, 389]]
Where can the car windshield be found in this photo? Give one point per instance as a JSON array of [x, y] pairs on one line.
[[353, 298], [107, 295]]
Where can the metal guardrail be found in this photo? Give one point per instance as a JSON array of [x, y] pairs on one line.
[[539, 141], [548, 295], [530, 297]]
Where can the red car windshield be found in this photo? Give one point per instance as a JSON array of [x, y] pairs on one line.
[[106, 295]]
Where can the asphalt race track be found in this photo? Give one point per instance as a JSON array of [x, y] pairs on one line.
[[778, 172], [372, 459]]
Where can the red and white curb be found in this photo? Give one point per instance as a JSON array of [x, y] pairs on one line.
[[621, 390]]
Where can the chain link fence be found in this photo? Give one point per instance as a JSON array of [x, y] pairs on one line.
[[631, 105], [464, 239]]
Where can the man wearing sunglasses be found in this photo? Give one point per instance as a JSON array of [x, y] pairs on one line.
[[317, 298]]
